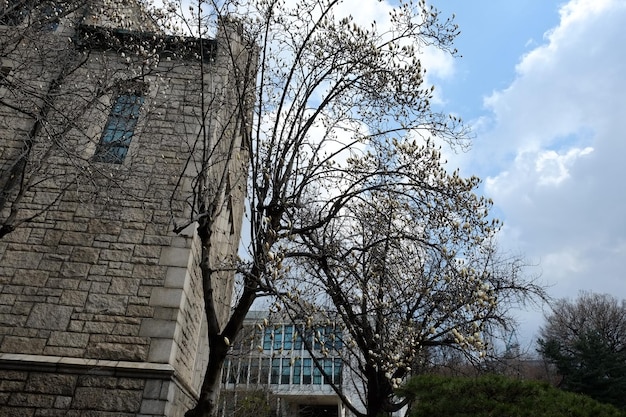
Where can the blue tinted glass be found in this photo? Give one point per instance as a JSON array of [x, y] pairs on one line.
[[119, 129]]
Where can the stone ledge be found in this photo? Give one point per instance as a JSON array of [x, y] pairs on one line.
[[41, 363]]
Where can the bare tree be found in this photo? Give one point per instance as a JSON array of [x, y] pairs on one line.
[[46, 90], [586, 340]]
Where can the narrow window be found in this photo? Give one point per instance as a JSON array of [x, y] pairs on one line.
[[267, 339], [285, 375], [278, 337], [317, 375], [254, 371], [243, 372], [225, 367], [288, 339], [232, 375], [297, 372], [337, 371], [265, 371], [275, 373], [119, 128], [306, 371], [298, 337]]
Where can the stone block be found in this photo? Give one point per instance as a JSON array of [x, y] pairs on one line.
[[166, 297], [31, 400], [68, 339], [7, 299], [126, 329], [161, 350], [117, 351], [77, 238], [149, 271], [11, 386], [50, 383], [75, 270], [73, 297], [85, 255], [112, 400], [171, 256], [115, 255], [49, 317], [152, 389], [97, 225], [176, 277], [126, 286], [19, 411], [157, 328], [62, 402], [21, 259], [131, 236], [104, 303], [63, 351], [148, 251], [136, 310], [30, 277], [155, 407]]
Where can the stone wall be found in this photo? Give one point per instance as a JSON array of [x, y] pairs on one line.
[[101, 309]]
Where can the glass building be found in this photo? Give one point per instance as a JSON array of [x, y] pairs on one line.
[[291, 364]]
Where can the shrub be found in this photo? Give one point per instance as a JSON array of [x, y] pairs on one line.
[[497, 396]]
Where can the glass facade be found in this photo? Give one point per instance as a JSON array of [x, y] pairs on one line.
[[278, 356]]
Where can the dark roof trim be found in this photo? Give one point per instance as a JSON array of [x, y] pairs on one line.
[[121, 40]]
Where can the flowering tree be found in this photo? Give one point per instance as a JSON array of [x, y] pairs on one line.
[[408, 266], [328, 89]]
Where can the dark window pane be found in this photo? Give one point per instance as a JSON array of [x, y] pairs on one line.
[[286, 372], [298, 337], [254, 371], [267, 339], [317, 375], [328, 371], [274, 377], [338, 365], [306, 371], [278, 337], [119, 129], [288, 338], [243, 372], [265, 371], [225, 367], [297, 372]]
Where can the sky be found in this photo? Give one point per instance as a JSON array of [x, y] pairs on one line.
[[542, 84]]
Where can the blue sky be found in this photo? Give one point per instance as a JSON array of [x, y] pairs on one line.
[[542, 84]]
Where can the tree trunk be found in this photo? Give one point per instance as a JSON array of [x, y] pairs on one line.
[[377, 394], [209, 393]]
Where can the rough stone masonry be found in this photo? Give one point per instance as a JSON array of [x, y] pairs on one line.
[[101, 308]]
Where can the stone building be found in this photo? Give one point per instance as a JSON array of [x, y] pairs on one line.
[[106, 127]]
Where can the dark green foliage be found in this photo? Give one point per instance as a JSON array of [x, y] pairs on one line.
[[589, 366], [497, 396], [585, 339]]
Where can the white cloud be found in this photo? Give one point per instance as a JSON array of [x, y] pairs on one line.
[[552, 149]]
